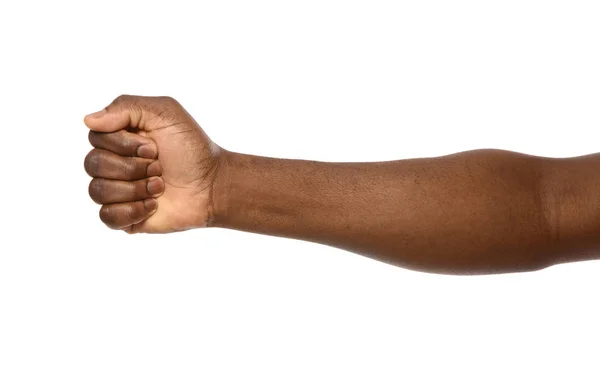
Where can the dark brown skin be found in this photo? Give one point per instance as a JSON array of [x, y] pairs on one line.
[[476, 212]]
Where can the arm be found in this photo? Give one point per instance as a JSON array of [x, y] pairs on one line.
[[474, 212], [484, 211]]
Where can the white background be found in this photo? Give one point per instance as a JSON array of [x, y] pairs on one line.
[[324, 80]]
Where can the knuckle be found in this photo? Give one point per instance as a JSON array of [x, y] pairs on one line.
[[132, 212], [123, 102], [108, 215], [132, 169], [123, 99], [98, 139], [96, 190], [137, 210], [91, 162], [168, 100], [164, 107], [132, 103], [93, 137], [127, 142]]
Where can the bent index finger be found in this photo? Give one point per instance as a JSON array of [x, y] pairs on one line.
[[124, 143]]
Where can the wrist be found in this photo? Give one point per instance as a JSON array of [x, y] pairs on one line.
[[246, 190], [218, 207], [573, 207]]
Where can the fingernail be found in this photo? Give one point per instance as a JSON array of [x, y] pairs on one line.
[[155, 186], [154, 169], [147, 151], [97, 114], [150, 204]]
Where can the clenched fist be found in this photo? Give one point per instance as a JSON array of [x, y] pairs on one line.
[[153, 167]]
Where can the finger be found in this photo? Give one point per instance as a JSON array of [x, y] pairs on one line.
[[104, 191], [124, 143], [108, 165], [124, 111], [122, 215]]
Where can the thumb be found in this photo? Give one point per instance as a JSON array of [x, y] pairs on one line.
[[121, 113]]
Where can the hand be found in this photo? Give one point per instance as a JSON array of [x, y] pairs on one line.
[[153, 166]]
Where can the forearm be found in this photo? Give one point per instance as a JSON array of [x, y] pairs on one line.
[[474, 212]]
